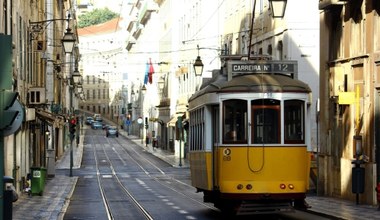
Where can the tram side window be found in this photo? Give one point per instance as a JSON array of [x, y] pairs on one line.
[[197, 129], [294, 121], [266, 121], [235, 121]]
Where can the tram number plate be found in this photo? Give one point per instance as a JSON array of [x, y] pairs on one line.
[[226, 158]]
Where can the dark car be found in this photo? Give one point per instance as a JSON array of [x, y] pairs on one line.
[[112, 131], [105, 126], [89, 120], [96, 125]]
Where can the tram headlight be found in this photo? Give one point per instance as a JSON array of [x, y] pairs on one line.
[[291, 186], [239, 186], [248, 186], [282, 186]]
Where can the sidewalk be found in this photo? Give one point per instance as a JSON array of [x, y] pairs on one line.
[[164, 155], [58, 190]]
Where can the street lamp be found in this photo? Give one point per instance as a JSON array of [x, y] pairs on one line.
[[161, 85], [198, 65], [75, 77], [278, 7], [68, 42], [143, 89]]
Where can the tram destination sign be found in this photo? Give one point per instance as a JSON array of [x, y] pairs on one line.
[[288, 67]]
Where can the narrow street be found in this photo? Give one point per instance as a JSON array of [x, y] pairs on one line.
[[119, 179]]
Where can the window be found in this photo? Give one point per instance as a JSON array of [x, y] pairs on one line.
[[197, 129], [294, 124], [266, 121], [235, 121]]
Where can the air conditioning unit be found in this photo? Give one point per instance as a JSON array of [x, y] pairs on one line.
[[37, 96]]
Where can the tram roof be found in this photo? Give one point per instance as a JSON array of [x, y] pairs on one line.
[[253, 83]]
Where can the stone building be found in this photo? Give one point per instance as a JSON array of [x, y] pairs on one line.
[[40, 74], [349, 113]]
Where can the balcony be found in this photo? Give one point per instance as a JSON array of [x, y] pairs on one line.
[[324, 4], [131, 40], [146, 11]]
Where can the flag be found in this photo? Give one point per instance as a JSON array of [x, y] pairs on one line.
[[146, 78], [151, 71]]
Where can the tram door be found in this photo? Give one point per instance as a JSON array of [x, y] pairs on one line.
[[215, 143]]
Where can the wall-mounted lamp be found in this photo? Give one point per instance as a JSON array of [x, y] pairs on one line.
[[278, 8], [75, 77], [133, 95], [68, 39], [143, 89], [79, 89], [161, 83], [198, 65]]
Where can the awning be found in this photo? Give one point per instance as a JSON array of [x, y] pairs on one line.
[[51, 118], [172, 122]]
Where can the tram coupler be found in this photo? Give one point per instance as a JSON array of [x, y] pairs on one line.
[[377, 189]]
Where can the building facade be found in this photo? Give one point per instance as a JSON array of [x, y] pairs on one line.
[[349, 108], [41, 73], [102, 65], [209, 30]]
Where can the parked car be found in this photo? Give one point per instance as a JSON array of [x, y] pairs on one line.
[[97, 117], [112, 131], [96, 125], [89, 120], [105, 126]]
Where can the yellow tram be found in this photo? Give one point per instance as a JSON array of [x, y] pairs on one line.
[[248, 138]]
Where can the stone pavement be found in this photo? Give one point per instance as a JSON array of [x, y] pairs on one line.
[[58, 190]]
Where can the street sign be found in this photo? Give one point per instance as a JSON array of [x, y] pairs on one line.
[[140, 120], [242, 67]]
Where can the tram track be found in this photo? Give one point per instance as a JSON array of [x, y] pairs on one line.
[[163, 180], [144, 214]]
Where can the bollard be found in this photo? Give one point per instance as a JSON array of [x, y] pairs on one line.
[[9, 197]]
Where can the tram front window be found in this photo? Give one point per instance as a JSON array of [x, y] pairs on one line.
[[235, 119], [294, 121], [266, 121]]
